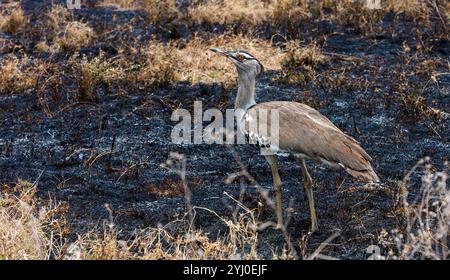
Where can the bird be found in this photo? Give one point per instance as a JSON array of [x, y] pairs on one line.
[[303, 132]]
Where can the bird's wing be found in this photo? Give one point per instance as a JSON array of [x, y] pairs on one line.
[[306, 131]]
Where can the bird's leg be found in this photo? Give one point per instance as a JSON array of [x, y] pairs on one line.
[[272, 159], [309, 193]]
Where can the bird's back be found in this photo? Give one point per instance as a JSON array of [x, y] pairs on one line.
[[305, 132]]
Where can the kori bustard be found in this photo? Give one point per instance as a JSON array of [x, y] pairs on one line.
[[303, 132]]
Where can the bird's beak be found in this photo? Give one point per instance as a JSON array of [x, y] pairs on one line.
[[220, 52], [227, 54]]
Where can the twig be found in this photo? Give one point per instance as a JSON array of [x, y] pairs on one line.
[[112, 148], [177, 163], [433, 3], [39, 177], [128, 169], [323, 245], [343, 56]]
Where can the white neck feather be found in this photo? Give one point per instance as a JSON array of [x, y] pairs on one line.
[[246, 91]]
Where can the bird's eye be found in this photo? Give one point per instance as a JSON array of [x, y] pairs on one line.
[[240, 57]]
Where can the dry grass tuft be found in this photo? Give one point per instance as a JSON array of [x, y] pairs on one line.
[[415, 107], [62, 33], [300, 63], [76, 35], [119, 4], [290, 13], [90, 74], [168, 188], [16, 75], [31, 231], [27, 230], [160, 12], [14, 22], [356, 14], [227, 12], [417, 10], [286, 16], [427, 217], [163, 243], [56, 18], [160, 65], [298, 56]]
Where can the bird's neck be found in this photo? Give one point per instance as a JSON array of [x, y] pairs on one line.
[[246, 92]]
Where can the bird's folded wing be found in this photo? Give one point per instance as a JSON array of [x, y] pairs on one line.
[[306, 131]]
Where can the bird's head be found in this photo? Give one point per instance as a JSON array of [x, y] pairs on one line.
[[245, 62]]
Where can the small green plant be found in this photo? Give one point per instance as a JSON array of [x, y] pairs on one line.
[[90, 74]]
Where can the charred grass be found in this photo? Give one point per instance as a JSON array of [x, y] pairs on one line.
[[392, 61]]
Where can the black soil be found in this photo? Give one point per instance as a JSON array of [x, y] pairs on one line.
[[136, 127]]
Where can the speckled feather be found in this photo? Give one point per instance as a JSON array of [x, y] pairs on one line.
[[305, 132]]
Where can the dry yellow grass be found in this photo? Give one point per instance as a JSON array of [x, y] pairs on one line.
[[199, 65], [303, 56], [160, 12], [77, 35], [225, 12], [193, 62], [27, 230], [342, 9], [16, 75], [284, 14], [119, 4], [254, 11], [62, 33], [300, 62], [30, 230], [159, 243], [57, 17], [426, 214], [13, 22], [89, 74], [417, 10], [44, 46], [349, 12], [34, 229], [160, 65]]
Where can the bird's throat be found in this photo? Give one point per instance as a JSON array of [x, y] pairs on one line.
[[246, 93]]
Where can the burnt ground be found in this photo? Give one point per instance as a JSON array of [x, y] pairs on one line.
[[59, 152]]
